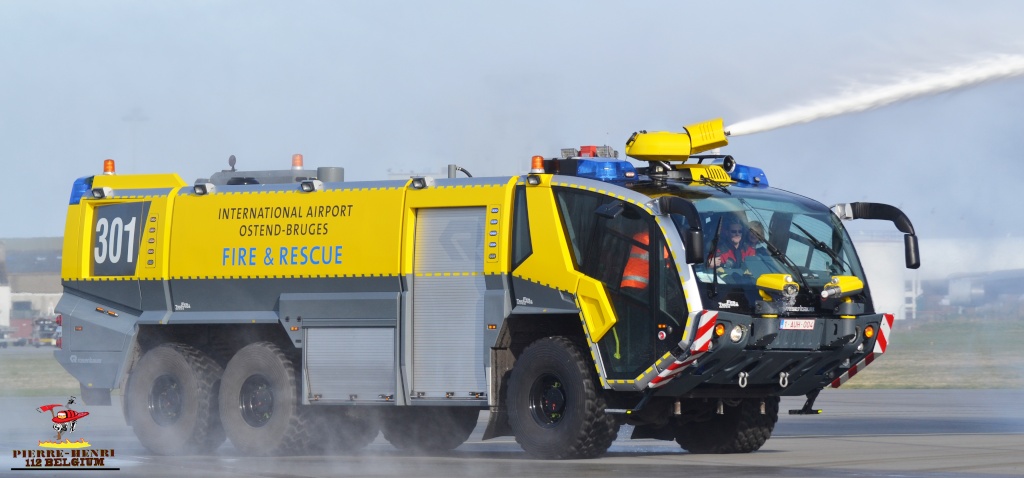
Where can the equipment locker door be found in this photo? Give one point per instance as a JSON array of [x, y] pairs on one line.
[[448, 304]]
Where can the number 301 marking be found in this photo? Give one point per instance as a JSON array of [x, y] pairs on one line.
[[110, 240]]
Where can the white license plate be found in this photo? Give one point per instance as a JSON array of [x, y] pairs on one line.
[[797, 324]]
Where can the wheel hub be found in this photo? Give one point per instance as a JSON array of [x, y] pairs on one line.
[[165, 400], [256, 401], [547, 400]]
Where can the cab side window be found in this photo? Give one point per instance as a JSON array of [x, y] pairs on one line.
[[577, 209], [522, 246]]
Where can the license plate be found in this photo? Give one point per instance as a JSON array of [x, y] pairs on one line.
[[797, 324]]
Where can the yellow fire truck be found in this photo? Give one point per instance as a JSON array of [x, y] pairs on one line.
[[291, 311]]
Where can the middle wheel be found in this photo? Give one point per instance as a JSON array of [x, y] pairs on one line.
[[259, 405], [428, 429]]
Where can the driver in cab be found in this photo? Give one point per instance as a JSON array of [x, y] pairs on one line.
[[735, 249]]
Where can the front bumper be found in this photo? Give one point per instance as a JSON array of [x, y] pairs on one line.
[[770, 360]]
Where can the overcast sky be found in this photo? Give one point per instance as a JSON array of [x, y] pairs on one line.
[[371, 86]]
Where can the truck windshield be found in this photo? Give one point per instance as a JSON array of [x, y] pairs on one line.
[[749, 232]]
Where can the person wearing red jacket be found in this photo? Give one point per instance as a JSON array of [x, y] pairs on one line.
[[735, 250]]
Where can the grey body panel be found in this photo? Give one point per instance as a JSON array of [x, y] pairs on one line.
[[97, 352], [349, 340], [349, 365], [534, 298]]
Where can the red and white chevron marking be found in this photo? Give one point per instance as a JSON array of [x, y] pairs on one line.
[[700, 345], [880, 345], [705, 331]]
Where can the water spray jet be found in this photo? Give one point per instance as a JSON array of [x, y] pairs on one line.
[[994, 68]]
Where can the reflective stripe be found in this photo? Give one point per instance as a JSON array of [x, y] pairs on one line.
[[634, 281], [643, 256]]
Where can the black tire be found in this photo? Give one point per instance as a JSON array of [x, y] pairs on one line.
[[347, 428], [741, 429], [171, 401], [428, 429], [554, 407], [259, 403]]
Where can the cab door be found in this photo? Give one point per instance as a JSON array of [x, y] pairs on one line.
[[620, 245]]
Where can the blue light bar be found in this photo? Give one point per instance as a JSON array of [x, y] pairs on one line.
[[749, 175], [605, 170], [81, 187]]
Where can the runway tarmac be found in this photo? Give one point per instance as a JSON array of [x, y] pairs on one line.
[[935, 433]]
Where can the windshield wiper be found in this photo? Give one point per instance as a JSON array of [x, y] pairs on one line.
[[713, 290], [821, 246], [715, 184], [776, 253]]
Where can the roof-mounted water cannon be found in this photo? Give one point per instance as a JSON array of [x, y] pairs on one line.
[[668, 146], [661, 148]]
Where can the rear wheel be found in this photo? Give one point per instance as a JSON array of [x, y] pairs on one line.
[[171, 401], [428, 429], [259, 402], [554, 407], [740, 429]]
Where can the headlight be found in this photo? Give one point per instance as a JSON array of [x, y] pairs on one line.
[[736, 334]]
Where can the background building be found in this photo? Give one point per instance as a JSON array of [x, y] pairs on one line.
[[29, 281]]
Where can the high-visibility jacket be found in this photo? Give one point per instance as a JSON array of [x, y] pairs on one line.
[[637, 271]]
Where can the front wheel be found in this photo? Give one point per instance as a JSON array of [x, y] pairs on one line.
[[554, 407], [739, 429], [259, 402], [171, 401]]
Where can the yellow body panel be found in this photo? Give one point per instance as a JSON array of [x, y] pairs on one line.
[[550, 264], [493, 197], [270, 234], [71, 257], [597, 309], [333, 233]]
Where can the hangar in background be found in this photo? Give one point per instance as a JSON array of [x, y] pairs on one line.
[[29, 278]]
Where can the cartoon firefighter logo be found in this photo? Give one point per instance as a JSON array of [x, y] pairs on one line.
[[64, 421]]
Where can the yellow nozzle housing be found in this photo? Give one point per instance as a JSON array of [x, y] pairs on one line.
[[668, 146], [842, 287], [773, 286]]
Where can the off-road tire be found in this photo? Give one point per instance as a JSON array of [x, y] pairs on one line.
[[428, 429], [557, 368], [345, 428], [741, 429], [171, 401], [259, 403]]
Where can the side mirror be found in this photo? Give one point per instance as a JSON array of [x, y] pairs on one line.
[[911, 251], [693, 240], [870, 210]]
